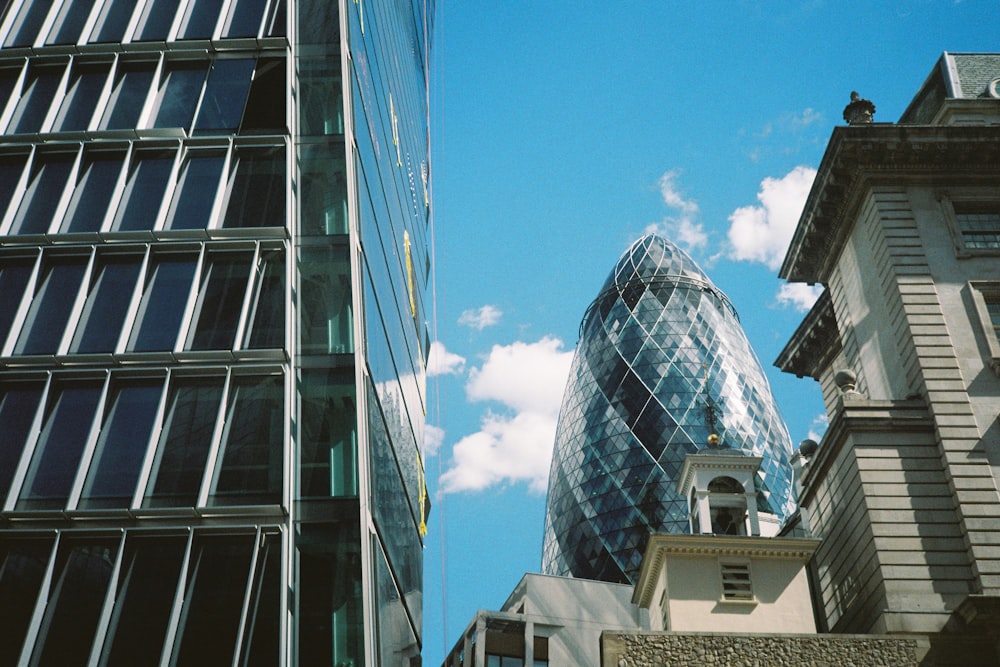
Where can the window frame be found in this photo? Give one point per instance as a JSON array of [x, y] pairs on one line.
[[953, 200], [985, 292], [732, 587]]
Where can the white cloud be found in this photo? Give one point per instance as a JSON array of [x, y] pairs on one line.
[[799, 296], [760, 233], [683, 229], [442, 362], [433, 437], [480, 318], [516, 446], [818, 427], [807, 117]]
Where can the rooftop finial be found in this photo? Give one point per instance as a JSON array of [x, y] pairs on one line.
[[859, 111]]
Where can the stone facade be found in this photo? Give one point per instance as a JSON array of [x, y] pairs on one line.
[[746, 650]]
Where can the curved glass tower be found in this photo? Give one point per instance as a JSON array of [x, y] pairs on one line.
[[662, 363]]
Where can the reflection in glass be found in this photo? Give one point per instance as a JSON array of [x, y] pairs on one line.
[[324, 190], [195, 192], [319, 25], [94, 187], [51, 306], [163, 303], [27, 23], [128, 95], [82, 95], [321, 110], [69, 414], [121, 447], [225, 96], [49, 174], [147, 583], [113, 20], [36, 98], [251, 467], [178, 92], [154, 24], [107, 304], [326, 325], [267, 309], [213, 603], [22, 566], [257, 190], [199, 20], [14, 275], [328, 459], [80, 583], [244, 18], [147, 181], [69, 22], [220, 301], [330, 623], [18, 404], [192, 410]]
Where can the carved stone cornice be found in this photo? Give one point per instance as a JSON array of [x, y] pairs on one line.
[[861, 156], [814, 343]]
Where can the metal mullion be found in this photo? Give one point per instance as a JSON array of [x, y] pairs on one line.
[[123, 176], [176, 25], [8, 111], [57, 99], [73, 321], [133, 309], [105, 96], [46, 26], [30, 443], [44, 591], [88, 25], [223, 190], [288, 452], [255, 279], [97, 647], [67, 192], [167, 203], [151, 94], [154, 440], [133, 22], [6, 25], [223, 24], [247, 596], [21, 314], [170, 638], [201, 96], [88, 449], [195, 293], [18, 195], [210, 474]]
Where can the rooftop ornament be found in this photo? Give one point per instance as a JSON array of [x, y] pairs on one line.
[[859, 111]]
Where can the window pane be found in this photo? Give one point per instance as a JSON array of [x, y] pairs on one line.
[[11, 167], [220, 567], [27, 24], [83, 572], [147, 181], [156, 19], [121, 447], [263, 637], [251, 469], [328, 461], [330, 627], [95, 185], [326, 325], [22, 566], [225, 96], [85, 85], [319, 25], [323, 204], [220, 301], [113, 21], [195, 192], [192, 410], [147, 584], [262, 115], [257, 192], [8, 79], [68, 416], [131, 87], [321, 106], [36, 98], [18, 404], [244, 18], [163, 303], [107, 304], [49, 174], [200, 19], [14, 275], [178, 92], [69, 22], [51, 306], [267, 311]]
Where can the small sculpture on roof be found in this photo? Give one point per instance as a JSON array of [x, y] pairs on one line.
[[859, 111]]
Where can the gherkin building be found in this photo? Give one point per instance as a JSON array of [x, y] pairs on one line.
[[662, 363]]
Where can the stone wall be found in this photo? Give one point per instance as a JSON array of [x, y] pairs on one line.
[[668, 649]]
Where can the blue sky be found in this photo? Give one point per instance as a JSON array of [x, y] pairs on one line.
[[561, 131]]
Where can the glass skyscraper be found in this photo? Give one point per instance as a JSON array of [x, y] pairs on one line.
[[213, 261], [662, 363]]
